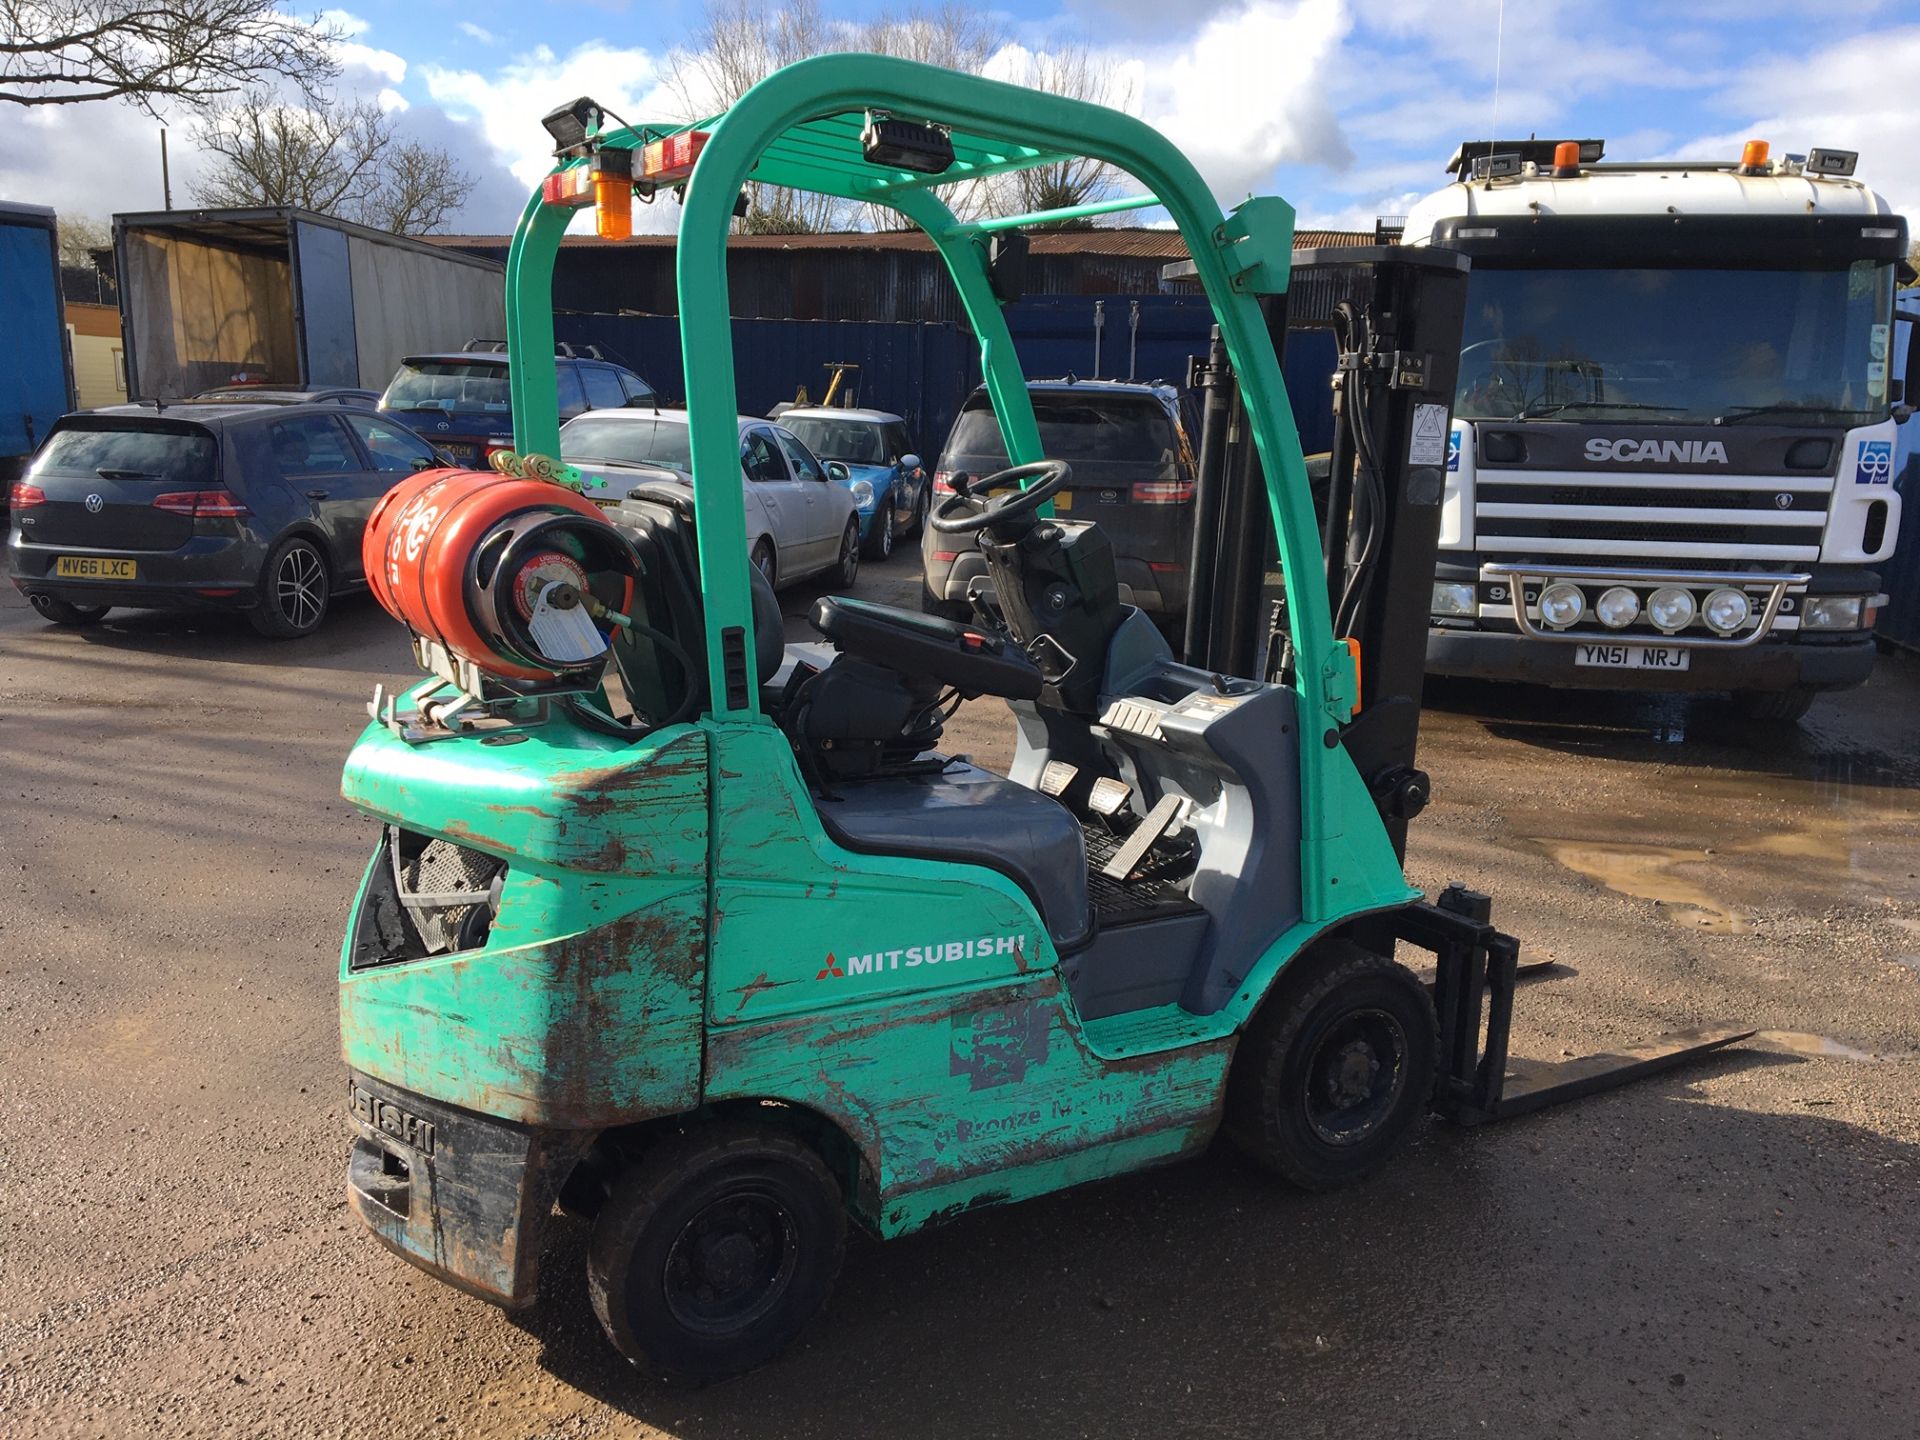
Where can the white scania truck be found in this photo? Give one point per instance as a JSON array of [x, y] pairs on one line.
[[1671, 464]]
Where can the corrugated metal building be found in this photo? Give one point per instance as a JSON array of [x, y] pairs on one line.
[[883, 275]]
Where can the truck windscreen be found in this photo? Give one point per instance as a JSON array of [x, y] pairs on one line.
[[1677, 346]]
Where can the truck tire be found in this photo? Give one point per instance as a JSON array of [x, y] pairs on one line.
[[1335, 1067], [714, 1250], [1781, 707]]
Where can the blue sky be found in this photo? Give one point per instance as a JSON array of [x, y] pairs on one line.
[[1348, 108]]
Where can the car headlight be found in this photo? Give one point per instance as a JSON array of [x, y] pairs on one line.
[[1617, 607], [862, 494], [1726, 610], [1670, 608], [1452, 597], [1562, 604], [1831, 612]]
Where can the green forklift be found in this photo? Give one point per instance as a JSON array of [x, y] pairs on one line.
[[704, 938]]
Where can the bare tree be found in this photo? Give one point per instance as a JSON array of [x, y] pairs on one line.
[[740, 43], [62, 52], [342, 160], [80, 236], [1076, 72]]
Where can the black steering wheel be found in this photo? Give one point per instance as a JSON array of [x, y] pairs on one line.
[[949, 521]]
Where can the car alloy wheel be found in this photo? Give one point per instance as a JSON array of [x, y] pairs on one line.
[[300, 588]]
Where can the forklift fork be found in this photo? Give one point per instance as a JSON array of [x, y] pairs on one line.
[[1475, 969]]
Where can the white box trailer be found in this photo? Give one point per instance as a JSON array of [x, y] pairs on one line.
[[285, 296]]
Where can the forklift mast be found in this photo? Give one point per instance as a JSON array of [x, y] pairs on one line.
[[1398, 313]]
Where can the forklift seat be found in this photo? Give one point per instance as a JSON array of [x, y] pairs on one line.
[[969, 816]]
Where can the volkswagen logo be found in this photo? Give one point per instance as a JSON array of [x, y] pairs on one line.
[[95, 504], [1783, 501]]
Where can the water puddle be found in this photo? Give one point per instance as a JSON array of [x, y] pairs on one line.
[[1802, 1042], [1648, 872]]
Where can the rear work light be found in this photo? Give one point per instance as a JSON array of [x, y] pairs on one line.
[[201, 504], [23, 495], [669, 161], [1163, 492]]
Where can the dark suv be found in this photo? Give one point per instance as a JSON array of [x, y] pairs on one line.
[[461, 402], [204, 506], [1133, 471]]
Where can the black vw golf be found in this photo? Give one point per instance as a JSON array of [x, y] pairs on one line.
[[249, 507]]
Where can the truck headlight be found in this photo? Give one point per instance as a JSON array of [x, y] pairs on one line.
[[1562, 604], [1670, 608], [1452, 597], [862, 494], [1831, 612], [1726, 610], [1617, 607]]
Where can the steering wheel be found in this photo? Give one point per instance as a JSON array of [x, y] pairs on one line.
[[949, 521]]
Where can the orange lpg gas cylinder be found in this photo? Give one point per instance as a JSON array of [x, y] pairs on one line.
[[465, 557]]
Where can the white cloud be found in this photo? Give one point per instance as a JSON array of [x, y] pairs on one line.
[[1243, 93], [476, 32]]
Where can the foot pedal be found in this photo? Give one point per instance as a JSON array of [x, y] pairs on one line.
[[1056, 777], [1144, 837]]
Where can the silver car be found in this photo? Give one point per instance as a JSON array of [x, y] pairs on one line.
[[802, 520]]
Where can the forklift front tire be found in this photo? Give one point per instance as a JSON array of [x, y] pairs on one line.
[[1335, 1067], [714, 1250]]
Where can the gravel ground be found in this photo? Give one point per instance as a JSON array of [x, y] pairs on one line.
[[1724, 1251]]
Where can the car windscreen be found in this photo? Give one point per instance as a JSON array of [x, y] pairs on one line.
[[858, 442], [628, 440], [176, 456], [1105, 437], [1676, 346], [449, 385]]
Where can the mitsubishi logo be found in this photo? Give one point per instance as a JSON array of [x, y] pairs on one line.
[[832, 967], [95, 504]]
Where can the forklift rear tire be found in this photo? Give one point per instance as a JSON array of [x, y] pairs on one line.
[[715, 1250], [1336, 1065]]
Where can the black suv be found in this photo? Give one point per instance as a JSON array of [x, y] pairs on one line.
[[1133, 471], [251, 507], [461, 401]]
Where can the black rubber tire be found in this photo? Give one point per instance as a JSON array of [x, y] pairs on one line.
[[847, 570], [653, 1208], [1269, 1099], [64, 612], [879, 544], [293, 604], [766, 562], [1775, 707], [920, 510]]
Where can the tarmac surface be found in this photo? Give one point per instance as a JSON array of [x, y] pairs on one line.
[[1725, 1251]]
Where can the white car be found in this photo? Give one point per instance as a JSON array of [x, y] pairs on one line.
[[802, 519]]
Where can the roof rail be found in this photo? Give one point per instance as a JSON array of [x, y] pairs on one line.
[[562, 348]]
